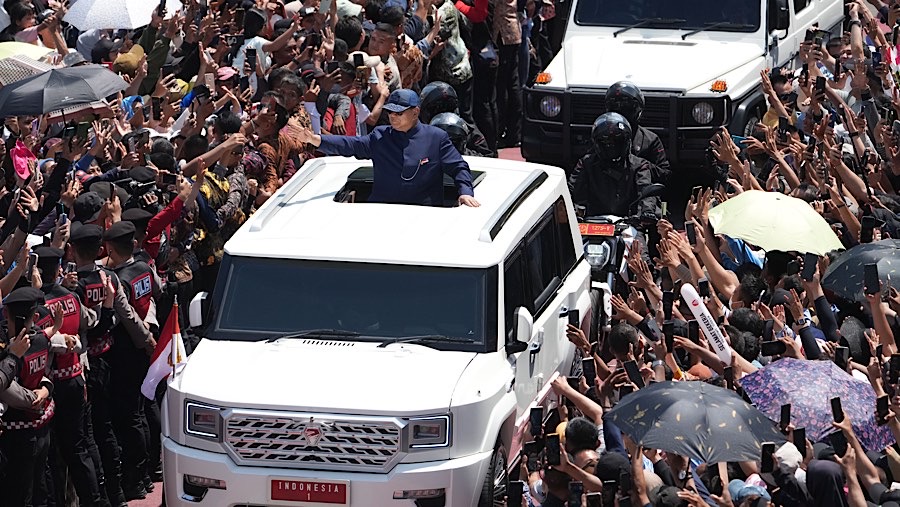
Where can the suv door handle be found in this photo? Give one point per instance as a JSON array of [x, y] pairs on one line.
[[536, 343]]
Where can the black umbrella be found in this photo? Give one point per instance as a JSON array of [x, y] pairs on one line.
[[59, 88], [695, 419], [845, 276]]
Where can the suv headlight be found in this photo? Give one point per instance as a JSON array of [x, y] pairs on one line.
[[429, 432], [703, 113], [202, 421], [550, 106]]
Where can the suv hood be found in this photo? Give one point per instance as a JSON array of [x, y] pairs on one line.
[[659, 63], [324, 376]]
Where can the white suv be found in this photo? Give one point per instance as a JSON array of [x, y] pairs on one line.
[[377, 354]]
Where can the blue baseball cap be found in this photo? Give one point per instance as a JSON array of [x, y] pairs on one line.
[[401, 100]]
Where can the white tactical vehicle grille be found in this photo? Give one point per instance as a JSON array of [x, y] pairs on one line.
[[281, 439]]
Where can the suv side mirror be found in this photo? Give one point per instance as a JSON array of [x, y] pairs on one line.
[[779, 15], [524, 328], [197, 309]]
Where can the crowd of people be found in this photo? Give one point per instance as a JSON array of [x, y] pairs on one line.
[[108, 220]]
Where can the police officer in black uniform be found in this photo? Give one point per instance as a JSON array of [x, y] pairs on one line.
[[141, 219], [627, 99], [25, 437], [129, 360], [439, 97], [71, 435], [609, 178]]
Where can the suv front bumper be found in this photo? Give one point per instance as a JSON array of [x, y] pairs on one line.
[[461, 479]]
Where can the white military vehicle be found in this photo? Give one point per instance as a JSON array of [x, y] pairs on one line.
[[377, 354], [697, 62]]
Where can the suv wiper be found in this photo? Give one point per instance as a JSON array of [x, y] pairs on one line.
[[315, 333], [720, 24], [650, 22], [425, 338]]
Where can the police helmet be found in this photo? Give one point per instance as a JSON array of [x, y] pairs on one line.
[[437, 97], [626, 99], [611, 136], [455, 127]]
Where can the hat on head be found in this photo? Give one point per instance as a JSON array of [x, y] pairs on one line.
[[311, 69], [611, 465], [24, 299], [48, 260], [225, 73], [86, 234], [789, 456], [666, 496], [401, 100], [740, 490], [101, 188], [119, 232], [87, 207], [137, 216], [142, 174], [127, 63], [74, 58], [346, 8]]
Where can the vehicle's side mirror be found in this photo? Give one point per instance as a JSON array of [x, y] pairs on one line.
[[524, 328], [779, 15], [197, 310]]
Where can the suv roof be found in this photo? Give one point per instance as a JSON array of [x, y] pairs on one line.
[[303, 220]]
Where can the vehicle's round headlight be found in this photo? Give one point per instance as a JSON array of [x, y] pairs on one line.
[[550, 106], [597, 254], [703, 113]]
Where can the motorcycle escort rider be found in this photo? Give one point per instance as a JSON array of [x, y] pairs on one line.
[[438, 98], [608, 179], [627, 99]]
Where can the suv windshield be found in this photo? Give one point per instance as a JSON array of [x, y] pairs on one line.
[[264, 298], [695, 13]]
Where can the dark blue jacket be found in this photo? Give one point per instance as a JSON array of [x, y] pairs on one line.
[[409, 166]]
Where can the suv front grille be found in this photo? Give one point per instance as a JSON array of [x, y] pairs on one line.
[[586, 107], [282, 439]]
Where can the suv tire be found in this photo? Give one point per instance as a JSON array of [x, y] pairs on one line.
[[496, 481]]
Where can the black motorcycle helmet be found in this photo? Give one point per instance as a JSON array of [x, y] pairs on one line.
[[611, 136], [437, 97], [455, 127], [626, 99]]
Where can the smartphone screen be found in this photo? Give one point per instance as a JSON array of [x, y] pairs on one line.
[[689, 227], [881, 409], [867, 227], [793, 267], [590, 370], [358, 60], [894, 369], [594, 499], [536, 420], [533, 454], [668, 301], [820, 83], [703, 288], [20, 323], [516, 492], [785, 419], [552, 446], [669, 333], [575, 317], [842, 357], [810, 262], [772, 348], [239, 18], [870, 276], [837, 412], [694, 331], [767, 464], [800, 440], [576, 489], [251, 59], [634, 374], [839, 443]]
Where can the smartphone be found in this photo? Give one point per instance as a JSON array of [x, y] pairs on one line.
[[576, 489], [728, 373], [668, 300], [820, 84], [594, 499], [876, 59], [32, 261], [772, 348], [574, 383], [251, 59], [867, 228], [634, 374], [879, 352], [694, 331], [793, 267], [169, 178], [575, 317], [20, 323], [143, 139], [800, 440], [331, 66], [536, 421], [625, 484], [870, 276], [552, 446], [703, 288], [68, 132], [783, 126], [358, 60], [689, 227], [842, 357], [209, 79], [810, 262], [894, 369], [156, 103], [132, 143], [589, 368], [664, 211], [837, 412], [767, 463], [839, 443], [625, 390], [785, 419], [71, 267], [515, 493], [669, 333], [161, 8], [881, 410], [239, 17], [532, 452], [810, 35]]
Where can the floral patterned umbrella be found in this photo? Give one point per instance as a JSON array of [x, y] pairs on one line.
[[809, 386], [695, 419]]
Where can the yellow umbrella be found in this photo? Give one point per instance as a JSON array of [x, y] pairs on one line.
[[774, 221], [32, 51]]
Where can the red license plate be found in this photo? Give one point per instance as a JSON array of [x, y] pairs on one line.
[[597, 229], [327, 492]]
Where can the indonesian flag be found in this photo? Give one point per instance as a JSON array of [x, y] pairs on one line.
[[168, 354]]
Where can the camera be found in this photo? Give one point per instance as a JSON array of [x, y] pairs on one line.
[[42, 16]]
